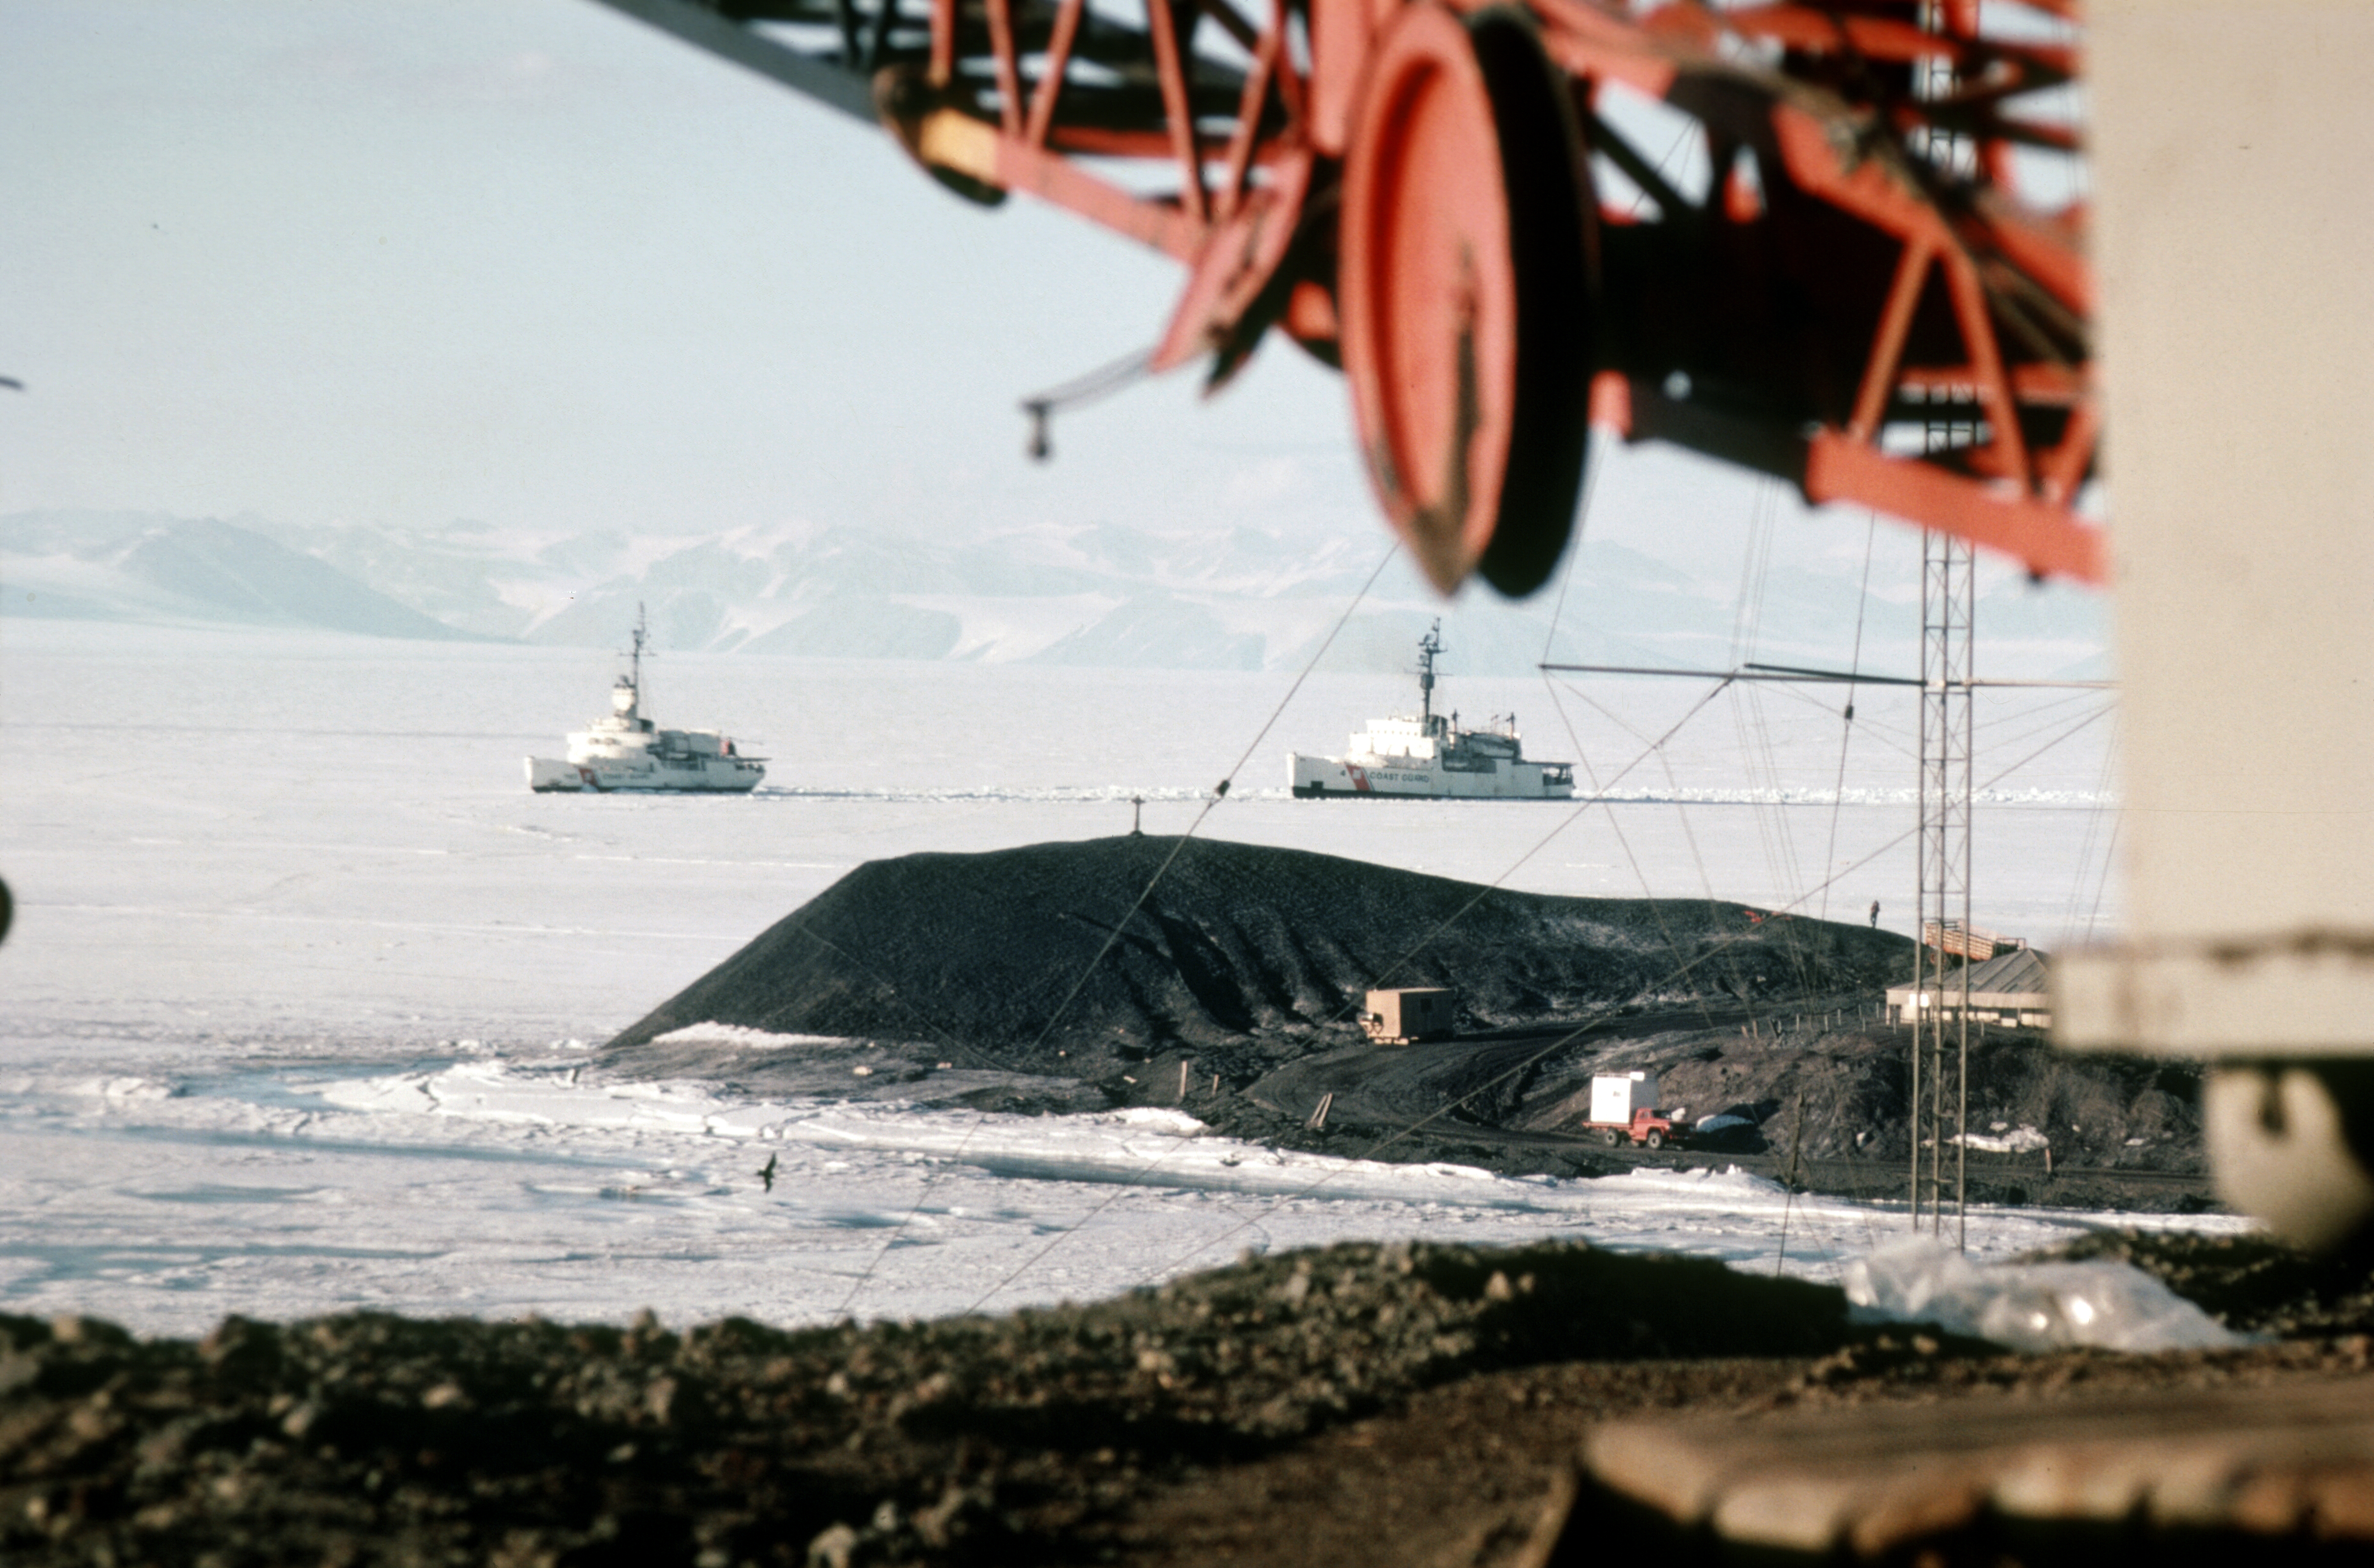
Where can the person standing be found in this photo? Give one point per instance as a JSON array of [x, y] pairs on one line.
[[1874, 914]]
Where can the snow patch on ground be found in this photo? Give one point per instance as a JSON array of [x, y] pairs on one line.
[[1160, 1119], [2022, 1140], [500, 1185], [748, 1038]]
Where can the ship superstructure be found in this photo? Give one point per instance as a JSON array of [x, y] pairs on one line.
[[1427, 754], [624, 750]]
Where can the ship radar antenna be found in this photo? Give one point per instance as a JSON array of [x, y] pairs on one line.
[[1427, 648]]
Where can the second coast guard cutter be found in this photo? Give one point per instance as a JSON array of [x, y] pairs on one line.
[[1428, 755], [624, 750]]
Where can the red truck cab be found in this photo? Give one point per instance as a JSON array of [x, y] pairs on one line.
[[1648, 1128], [1624, 1105]]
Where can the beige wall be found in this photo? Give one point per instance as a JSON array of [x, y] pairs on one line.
[[2233, 158]]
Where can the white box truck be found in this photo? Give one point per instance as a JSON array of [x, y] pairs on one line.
[[1624, 1106]]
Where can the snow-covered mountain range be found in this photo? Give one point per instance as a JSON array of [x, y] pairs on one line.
[[1110, 595]]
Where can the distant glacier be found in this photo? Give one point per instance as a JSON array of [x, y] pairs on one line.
[[1110, 596]]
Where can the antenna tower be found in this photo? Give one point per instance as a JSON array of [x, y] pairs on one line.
[[1947, 597], [1948, 610]]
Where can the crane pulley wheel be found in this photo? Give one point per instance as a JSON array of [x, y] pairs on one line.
[[1465, 293]]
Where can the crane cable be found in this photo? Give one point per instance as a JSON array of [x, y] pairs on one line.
[[1219, 792], [1721, 948], [1563, 1040], [1846, 732], [1639, 874], [1557, 613], [1481, 893]]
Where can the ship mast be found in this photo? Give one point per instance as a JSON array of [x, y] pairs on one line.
[[1428, 646], [627, 696]]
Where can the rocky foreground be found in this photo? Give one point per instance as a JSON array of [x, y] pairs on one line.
[[1387, 1405]]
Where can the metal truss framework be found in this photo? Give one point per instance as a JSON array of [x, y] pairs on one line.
[[1948, 652], [1948, 608], [1834, 291]]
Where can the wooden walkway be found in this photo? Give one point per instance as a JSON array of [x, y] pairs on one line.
[[2293, 1459]]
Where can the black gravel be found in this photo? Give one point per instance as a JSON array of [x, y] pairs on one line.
[[1260, 952], [1021, 981], [366, 1438]]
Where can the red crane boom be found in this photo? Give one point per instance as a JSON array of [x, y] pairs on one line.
[[1857, 304]]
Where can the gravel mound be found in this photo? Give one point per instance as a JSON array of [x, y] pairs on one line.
[[1022, 982], [980, 954]]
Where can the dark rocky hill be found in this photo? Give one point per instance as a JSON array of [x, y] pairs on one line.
[[978, 954]]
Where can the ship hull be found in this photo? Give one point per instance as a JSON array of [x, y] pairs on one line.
[[604, 775], [1410, 778]]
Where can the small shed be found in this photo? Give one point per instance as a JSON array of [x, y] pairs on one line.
[[1410, 1013], [2011, 987]]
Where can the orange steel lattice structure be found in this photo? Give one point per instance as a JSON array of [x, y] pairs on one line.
[[1407, 188]]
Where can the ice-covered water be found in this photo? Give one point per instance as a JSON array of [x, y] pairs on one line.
[[497, 1186], [282, 1021]]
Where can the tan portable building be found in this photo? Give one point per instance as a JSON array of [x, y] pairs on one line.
[[1409, 1013]]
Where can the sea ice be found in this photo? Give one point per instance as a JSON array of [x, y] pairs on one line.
[[499, 1186], [221, 1082]]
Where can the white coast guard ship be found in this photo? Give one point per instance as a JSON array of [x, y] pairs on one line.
[[1429, 755], [625, 750]]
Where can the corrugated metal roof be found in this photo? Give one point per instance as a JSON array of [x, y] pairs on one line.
[[2020, 970], [1997, 983]]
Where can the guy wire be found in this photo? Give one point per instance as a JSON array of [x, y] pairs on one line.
[[1846, 732], [1581, 1027], [1061, 1236], [1574, 544], [1219, 793], [1566, 579], [1524, 1065], [1639, 874], [1597, 798], [2091, 841], [1563, 1040], [955, 1048], [2109, 855]]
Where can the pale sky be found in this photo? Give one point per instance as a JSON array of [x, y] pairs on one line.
[[530, 263]]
